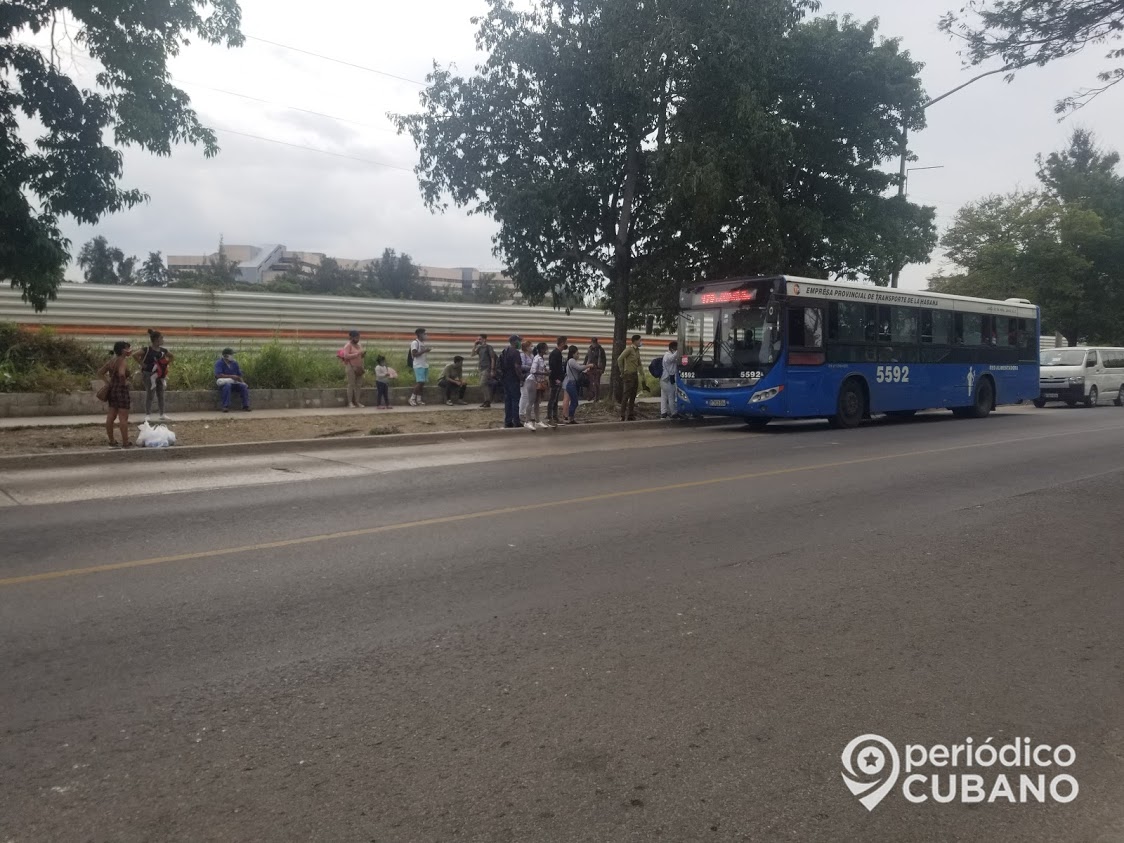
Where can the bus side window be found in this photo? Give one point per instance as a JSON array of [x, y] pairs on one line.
[[805, 327], [926, 326], [973, 325]]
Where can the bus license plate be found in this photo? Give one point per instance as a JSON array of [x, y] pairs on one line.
[[718, 403]]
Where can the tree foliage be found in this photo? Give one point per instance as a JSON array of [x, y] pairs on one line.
[[1037, 32], [153, 272], [626, 147], [70, 168], [1061, 246]]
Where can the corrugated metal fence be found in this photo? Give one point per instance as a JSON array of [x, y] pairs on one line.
[[195, 318]]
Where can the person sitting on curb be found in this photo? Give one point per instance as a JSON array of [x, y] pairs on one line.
[[452, 381], [228, 378]]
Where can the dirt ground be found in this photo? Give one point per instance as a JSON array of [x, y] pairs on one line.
[[224, 431]]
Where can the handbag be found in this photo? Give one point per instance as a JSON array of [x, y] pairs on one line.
[[103, 393]]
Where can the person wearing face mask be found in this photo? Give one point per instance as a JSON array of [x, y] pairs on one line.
[[630, 365], [228, 378], [419, 361]]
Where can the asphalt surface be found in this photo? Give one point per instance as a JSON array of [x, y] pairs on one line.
[[624, 636]]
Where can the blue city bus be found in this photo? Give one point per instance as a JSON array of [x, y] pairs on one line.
[[796, 348]]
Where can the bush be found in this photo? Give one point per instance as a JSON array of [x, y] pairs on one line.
[[42, 361], [275, 365]]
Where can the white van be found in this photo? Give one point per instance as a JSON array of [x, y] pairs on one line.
[[1081, 375]]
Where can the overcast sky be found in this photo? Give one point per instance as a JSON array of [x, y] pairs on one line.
[[257, 192]]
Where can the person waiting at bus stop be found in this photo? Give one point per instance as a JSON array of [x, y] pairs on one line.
[[510, 368], [228, 378], [453, 382], [630, 365]]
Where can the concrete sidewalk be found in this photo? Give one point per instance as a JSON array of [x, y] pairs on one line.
[[237, 414]]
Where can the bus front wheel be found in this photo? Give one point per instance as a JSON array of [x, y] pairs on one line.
[[851, 406], [757, 423]]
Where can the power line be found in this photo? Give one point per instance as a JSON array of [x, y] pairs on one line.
[[315, 149], [283, 105], [337, 61]]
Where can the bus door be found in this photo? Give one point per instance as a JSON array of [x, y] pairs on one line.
[[807, 380], [895, 379]]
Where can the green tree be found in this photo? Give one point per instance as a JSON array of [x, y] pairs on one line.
[[331, 279], [487, 290], [153, 272], [1061, 247], [1037, 32], [626, 147], [99, 261], [70, 168], [127, 270], [396, 276]]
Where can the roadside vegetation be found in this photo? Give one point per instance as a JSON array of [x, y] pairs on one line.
[[43, 361]]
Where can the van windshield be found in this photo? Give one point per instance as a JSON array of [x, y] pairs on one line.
[[1063, 357]]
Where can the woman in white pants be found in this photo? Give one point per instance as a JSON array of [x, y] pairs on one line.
[[531, 398], [667, 382]]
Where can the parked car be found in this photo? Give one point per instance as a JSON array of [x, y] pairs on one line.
[[1081, 375]]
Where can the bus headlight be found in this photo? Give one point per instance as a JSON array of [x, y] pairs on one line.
[[766, 395]]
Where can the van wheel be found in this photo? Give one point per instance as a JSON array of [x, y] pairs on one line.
[[1039, 403], [1093, 398], [1071, 403], [851, 406], [985, 399], [1119, 402]]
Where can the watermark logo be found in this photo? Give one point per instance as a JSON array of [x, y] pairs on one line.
[[1015, 772], [871, 768]]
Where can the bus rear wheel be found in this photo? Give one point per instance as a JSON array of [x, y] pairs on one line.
[[851, 406], [985, 399]]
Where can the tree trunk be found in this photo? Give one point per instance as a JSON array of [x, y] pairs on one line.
[[622, 268]]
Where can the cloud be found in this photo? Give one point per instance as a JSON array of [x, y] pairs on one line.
[[255, 191]]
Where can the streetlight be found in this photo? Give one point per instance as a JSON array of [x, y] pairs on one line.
[[903, 175], [905, 181]]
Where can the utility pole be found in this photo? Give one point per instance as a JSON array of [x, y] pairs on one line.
[[903, 171]]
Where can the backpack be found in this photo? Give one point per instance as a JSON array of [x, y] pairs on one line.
[[510, 361], [655, 368], [410, 357]]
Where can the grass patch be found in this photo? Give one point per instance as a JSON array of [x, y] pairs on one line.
[[384, 430]]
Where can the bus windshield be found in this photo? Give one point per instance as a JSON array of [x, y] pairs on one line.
[[729, 338]]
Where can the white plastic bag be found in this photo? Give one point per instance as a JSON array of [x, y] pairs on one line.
[[155, 437]]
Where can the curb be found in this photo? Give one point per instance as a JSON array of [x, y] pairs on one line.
[[76, 459]]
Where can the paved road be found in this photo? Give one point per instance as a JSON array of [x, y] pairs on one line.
[[665, 636]]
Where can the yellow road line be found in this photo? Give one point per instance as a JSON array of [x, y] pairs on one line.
[[510, 510]]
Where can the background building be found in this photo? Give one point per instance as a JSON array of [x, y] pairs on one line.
[[259, 264]]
